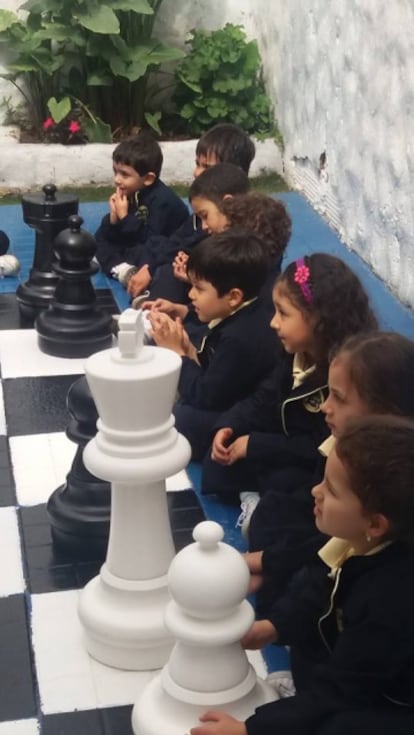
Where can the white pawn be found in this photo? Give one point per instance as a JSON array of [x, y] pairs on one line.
[[208, 615]]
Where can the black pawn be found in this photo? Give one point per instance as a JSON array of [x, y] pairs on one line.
[[80, 510], [48, 214], [73, 326]]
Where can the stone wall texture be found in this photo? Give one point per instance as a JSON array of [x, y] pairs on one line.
[[341, 76]]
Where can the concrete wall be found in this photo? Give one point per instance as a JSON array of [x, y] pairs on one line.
[[340, 76]]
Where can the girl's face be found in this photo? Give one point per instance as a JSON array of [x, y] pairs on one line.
[[293, 327], [212, 218], [343, 401], [338, 511]]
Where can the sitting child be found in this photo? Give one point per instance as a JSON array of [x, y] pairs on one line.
[[227, 272], [369, 374], [270, 439], [142, 205], [348, 619], [223, 143]]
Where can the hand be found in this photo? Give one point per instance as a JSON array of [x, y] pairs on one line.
[[219, 450], [119, 201], [139, 282], [170, 333], [238, 449], [254, 561], [218, 723], [113, 217], [260, 634], [167, 307], [180, 266]]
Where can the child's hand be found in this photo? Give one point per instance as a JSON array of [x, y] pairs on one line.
[[218, 723], [167, 307], [238, 449], [139, 281], [121, 203], [219, 450], [260, 634], [180, 266], [169, 333], [113, 217], [253, 560]]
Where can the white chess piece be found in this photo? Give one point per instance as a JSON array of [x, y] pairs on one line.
[[136, 448], [208, 615]]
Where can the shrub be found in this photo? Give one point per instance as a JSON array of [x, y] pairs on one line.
[[220, 80]]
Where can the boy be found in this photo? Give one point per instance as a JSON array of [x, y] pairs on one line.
[[224, 143], [226, 273], [142, 205]]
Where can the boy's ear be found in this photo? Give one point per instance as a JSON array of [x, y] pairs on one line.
[[379, 526], [236, 297], [227, 196], [149, 178]]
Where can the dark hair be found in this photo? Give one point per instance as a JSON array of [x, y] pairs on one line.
[[381, 368], [215, 182], [231, 259], [337, 300], [266, 217], [378, 453], [229, 144], [142, 152]]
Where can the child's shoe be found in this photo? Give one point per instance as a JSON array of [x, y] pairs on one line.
[[123, 272], [248, 505], [9, 265], [282, 683]]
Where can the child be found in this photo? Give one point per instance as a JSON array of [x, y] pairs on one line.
[[270, 439], [370, 373], [349, 618], [9, 264], [142, 205], [223, 143], [264, 216], [227, 272]]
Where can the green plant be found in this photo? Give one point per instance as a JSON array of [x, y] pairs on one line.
[[70, 122], [101, 53], [220, 80]]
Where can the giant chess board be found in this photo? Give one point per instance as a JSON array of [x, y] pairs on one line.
[[49, 683]]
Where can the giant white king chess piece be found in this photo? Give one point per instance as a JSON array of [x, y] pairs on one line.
[[208, 615], [136, 448]]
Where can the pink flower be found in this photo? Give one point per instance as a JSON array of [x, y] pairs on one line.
[[302, 274], [49, 123], [74, 127]]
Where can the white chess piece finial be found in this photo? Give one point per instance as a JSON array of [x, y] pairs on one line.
[[207, 615], [136, 448]]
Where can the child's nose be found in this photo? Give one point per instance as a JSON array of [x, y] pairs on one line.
[[326, 406], [316, 491]]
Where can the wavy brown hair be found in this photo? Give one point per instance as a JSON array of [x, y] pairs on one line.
[[268, 218]]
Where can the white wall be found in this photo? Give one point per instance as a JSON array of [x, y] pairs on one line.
[[340, 74]]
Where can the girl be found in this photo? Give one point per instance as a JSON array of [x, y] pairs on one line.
[[369, 374], [350, 617], [270, 439]]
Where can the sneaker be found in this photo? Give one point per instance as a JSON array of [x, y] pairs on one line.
[[123, 272], [247, 506], [282, 683], [9, 265]]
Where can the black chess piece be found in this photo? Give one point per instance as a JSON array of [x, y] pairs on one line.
[[80, 509], [73, 326], [48, 214]]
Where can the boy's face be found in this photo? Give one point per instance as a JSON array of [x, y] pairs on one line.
[[212, 218], [127, 180], [203, 162], [206, 301]]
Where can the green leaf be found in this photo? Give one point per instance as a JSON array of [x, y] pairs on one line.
[[96, 130], [7, 19], [96, 79], [103, 20], [59, 110], [137, 6], [153, 118], [132, 72]]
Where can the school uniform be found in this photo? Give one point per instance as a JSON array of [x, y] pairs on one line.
[[351, 617], [235, 355], [156, 210], [285, 427]]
